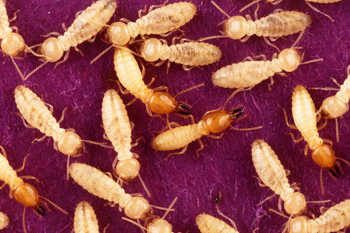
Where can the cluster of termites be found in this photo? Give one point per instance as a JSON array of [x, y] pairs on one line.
[[137, 46]]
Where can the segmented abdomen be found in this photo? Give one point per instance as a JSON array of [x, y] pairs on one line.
[[129, 74], [335, 218], [245, 74], [280, 24], [88, 23], [4, 21], [36, 113], [304, 115], [323, 1], [98, 183], [8, 175], [344, 92], [209, 224], [116, 124], [85, 220], [178, 137], [163, 19], [270, 169], [193, 53]]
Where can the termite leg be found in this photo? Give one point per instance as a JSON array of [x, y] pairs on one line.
[[157, 6], [299, 139], [201, 148], [62, 117], [38, 139], [23, 165], [177, 153], [286, 119], [3, 152], [24, 121], [216, 136]]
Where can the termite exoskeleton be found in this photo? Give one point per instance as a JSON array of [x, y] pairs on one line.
[[86, 25], [250, 73], [273, 26], [130, 76], [12, 43], [304, 115], [4, 220], [85, 220], [214, 121], [188, 54], [24, 193], [209, 224]]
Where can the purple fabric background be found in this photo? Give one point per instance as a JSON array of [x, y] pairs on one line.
[[224, 165]]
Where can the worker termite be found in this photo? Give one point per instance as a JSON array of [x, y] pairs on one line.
[[209, 224], [304, 115], [273, 26], [188, 54], [250, 73], [85, 219], [12, 43], [37, 114], [214, 121], [24, 193], [4, 220], [130, 76], [86, 25]]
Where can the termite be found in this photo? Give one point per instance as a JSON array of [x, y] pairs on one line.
[[85, 220], [273, 26], [304, 115], [4, 220], [209, 224], [214, 121], [188, 54], [37, 114], [130, 76], [12, 43], [250, 73], [86, 25], [24, 193]]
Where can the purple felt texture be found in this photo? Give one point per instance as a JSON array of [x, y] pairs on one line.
[[224, 165]]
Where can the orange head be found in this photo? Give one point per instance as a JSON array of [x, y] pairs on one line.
[[164, 103], [324, 156], [28, 196], [218, 121]]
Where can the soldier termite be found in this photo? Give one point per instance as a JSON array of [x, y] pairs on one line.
[[12, 43], [304, 115], [4, 220], [85, 220], [86, 25], [130, 76], [188, 54], [249, 73], [37, 114], [118, 130], [24, 193], [214, 121], [273, 26]]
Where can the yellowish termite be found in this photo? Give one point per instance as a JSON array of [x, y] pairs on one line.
[[209, 224], [4, 220], [85, 220]]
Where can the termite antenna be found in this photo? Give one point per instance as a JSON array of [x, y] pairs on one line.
[[144, 185], [223, 215], [135, 223], [18, 70], [169, 208], [221, 10], [246, 129], [54, 205], [298, 39], [101, 54], [318, 202], [311, 61], [103, 144], [23, 220], [27, 48], [161, 208], [249, 5], [231, 96], [318, 11], [189, 89], [35, 70]]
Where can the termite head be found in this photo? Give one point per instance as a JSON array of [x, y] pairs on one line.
[[137, 208], [324, 156], [12, 44], [164, 103], [298, 225], [295, 204], [218, 121], [51, 49], [158, 225], [151, 49], [28, 196], [333, 107], [128, 169], [70, 143], [118, 33], [289, 59], [236, 27]]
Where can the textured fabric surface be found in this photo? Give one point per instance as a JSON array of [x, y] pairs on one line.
[[224, 165]]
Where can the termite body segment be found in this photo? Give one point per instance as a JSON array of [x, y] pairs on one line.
[[158, 21], [101, 185], [333, 220], [4, 220], [273, 175], [250, 73], [209, 224], [85, 220], [118, 130], [35, 112], [188, 54]]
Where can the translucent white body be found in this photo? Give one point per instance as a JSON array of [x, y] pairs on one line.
[[4, 21], [8, 175], [4, 220], [85, 220], [209, 224]]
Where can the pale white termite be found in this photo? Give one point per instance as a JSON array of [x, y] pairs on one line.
[[86, 25], [209, 224], [273, 175], [101, 185], [274, 25], [85, 220], [24, 193], [333, 220], [4, 220]]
